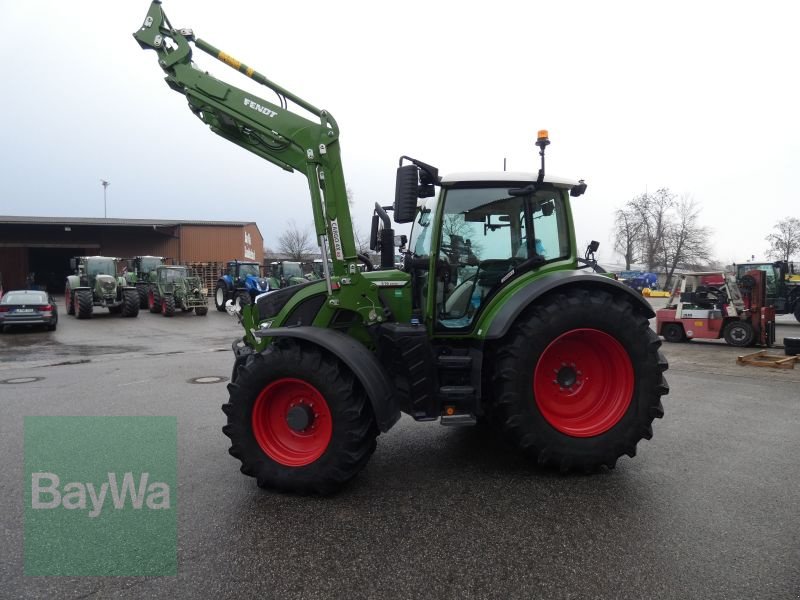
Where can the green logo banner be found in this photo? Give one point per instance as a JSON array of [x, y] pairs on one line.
[[101, 496]]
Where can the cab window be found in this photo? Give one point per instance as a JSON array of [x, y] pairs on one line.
[[486, 233]]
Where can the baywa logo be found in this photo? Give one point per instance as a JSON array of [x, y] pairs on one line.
[[47, 495], [100, 496]]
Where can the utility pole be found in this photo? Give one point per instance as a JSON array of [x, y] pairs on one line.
[[105, 185]]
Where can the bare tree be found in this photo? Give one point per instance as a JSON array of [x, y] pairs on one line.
[[362, 241], [295, 243], [627, 235], [651, 213], [785, 242], [685, 241]]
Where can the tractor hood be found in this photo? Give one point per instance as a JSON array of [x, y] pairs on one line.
[[106, 283], [256, 283]]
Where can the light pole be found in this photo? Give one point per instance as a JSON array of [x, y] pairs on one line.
[[105, 185]]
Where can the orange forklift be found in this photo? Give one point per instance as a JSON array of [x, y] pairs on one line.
[[698, 309]]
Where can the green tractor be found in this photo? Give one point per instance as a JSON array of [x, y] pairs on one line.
[[283, 273], [96, 283], [315, 270], [141, 270], [491, 320], [172, 288]]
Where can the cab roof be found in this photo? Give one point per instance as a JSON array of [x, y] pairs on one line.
[[505, 177]]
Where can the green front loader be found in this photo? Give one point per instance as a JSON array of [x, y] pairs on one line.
[[490, 320]]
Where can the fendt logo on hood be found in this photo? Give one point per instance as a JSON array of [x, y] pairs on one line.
[[259, 108]]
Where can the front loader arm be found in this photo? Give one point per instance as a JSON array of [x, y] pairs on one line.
[[270, 131]]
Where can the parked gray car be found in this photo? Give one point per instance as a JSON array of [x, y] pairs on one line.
[[28, 307]]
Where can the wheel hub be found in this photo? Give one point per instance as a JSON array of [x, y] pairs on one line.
[[567, 376], [300, 417]]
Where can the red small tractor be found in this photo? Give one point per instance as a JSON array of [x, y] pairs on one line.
[[712, 306]]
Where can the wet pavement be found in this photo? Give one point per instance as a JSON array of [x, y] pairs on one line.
[[707, 509]]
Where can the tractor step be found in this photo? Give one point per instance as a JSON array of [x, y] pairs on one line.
[[458, 420], [456, 394], [454, 361]]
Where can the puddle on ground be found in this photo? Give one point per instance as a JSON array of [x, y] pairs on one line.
[[23, 348]]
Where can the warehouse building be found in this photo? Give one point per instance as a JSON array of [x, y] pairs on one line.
[[36, 250]]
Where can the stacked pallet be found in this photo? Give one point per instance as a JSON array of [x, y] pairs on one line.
[[208, 272]]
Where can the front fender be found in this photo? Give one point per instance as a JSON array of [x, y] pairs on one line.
[[513, 305], [363, 363]]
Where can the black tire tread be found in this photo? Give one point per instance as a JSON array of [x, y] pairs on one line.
[[130, 302], [168, 305], [156, 308], [220, 308], [69, 300], [85, 303]]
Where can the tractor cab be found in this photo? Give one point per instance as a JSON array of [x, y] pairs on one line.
[[284, 273], [483, 233], [240, 271]]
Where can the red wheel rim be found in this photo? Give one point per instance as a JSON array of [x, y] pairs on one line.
[[281, 442], [150, 299], [583, 383]]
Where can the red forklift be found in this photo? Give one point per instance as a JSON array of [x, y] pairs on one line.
[[700, 309]]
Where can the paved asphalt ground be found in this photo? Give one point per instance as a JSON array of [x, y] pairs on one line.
[[708, 509]]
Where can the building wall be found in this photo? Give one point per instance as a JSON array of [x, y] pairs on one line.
[[55, 243], [213, 243], [13, 267]]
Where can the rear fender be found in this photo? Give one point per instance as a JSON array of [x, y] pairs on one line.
[[363, 363], [554, 282]]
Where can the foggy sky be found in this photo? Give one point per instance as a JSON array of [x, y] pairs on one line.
[[698, 97]]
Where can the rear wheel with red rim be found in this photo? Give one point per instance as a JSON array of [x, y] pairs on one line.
[[298, 420], [578, 380], [69, 300], [583, 382]]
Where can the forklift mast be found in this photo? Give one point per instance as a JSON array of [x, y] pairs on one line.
[[269, 130]]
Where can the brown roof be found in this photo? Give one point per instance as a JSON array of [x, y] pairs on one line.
[[13, 220]]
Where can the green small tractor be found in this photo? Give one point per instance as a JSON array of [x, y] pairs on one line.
[[96, 283], [492, 318], [172, 288], [141, 270]]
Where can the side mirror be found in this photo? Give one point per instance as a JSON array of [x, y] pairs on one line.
[[578, 190], [373, 233], [594, 245], [405, 194]]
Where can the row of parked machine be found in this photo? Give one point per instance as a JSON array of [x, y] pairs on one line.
[[126, 286]]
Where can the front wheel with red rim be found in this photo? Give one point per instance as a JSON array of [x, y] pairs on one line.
[[578, 380], [292, 422], [298, 420]]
